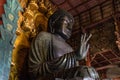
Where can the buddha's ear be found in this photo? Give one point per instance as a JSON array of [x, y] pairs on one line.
[[52, 30]]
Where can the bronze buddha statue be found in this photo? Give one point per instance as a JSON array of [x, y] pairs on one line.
[[50, 54]]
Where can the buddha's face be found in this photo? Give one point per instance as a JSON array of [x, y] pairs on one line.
[[64, 27]]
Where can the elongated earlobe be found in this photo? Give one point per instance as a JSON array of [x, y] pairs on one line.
[[52, 30]]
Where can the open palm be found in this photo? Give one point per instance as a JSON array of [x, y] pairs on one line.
[[84, 47]]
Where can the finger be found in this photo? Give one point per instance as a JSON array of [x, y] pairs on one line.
[[89, 37], [84, 55], [85, 51], [81, 49], [84, 48], [84, 37], [84, 44], [88, 47], [81, 38]]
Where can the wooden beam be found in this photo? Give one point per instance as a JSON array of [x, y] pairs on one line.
[[63, 2], [115, 55], [91, 7], [113, 4], [52, 1], [79, 5], [90, 18], [76, 31], [88, 60], [72, 6], [105, 67], [105, 58], [91, 25], [96, 23], [101, 11]]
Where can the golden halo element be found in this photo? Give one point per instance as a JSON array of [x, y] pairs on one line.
[[29, 14], [33, 5], [42, 8]]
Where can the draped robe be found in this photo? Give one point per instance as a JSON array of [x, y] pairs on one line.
[[49, 54]]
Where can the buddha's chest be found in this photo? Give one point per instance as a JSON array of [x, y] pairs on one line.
[[60, 48]]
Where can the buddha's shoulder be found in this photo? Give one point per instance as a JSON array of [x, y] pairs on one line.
[[44, 35]]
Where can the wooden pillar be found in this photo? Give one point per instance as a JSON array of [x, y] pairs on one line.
[[88, 60], [2, 2], [117, 27]]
